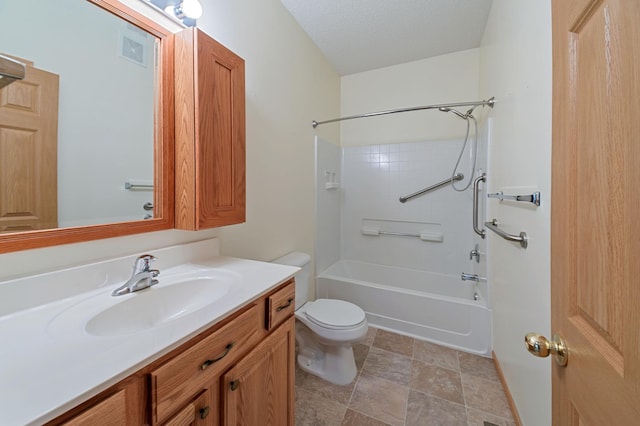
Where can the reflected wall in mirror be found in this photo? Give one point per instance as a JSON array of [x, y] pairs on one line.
[[105, 107], [108, 122]]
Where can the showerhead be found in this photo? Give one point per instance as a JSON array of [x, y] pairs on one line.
[[458, 113]]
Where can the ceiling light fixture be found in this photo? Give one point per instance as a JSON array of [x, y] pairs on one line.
[[187, 9]]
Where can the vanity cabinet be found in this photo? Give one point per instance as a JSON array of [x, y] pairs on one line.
[[246, 368], [197, 368], [238, 372], [209, 133]]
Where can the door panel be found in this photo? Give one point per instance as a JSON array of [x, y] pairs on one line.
[[29, 152], [595, 207]]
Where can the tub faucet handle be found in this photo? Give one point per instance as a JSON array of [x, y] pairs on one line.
[[475, 253]]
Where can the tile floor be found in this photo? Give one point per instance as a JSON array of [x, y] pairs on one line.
[[403, 381]]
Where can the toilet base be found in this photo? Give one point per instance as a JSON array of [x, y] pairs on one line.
[[333, 363]]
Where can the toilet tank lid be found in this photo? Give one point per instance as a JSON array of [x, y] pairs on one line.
[[295, 258]]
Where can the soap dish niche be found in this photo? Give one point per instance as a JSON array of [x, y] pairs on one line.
[[330, 180]]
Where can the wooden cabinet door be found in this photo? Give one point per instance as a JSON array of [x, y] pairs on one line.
[[259, 390], [199, 412], [210, 133], [29, 152]]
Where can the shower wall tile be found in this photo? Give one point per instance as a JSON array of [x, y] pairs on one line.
[[375, 176], [328, 158]]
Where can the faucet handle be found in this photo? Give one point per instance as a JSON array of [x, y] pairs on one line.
[[143, 263]]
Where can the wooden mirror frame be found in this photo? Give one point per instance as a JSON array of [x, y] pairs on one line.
[[163, 155]]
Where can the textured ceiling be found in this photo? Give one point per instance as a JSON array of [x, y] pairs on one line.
[[360, 35]]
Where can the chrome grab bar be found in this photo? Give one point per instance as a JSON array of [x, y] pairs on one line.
[[476, 188], [522, 238], [458, 176], [532, 198]]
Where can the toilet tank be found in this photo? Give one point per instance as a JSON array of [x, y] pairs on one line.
[[301, 260]]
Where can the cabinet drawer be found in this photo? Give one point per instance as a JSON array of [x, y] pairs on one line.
[[178, 380], [280, 305], [112, 411]]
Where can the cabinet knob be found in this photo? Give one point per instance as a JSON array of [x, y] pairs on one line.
[[204, 412], [234, 384]]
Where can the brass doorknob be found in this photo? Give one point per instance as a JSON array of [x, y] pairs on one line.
[[538, 345]]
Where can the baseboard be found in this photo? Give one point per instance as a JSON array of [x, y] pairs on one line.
[[512, 405]]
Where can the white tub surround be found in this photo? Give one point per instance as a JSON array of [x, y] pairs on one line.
[[434, 307], [49, 363]]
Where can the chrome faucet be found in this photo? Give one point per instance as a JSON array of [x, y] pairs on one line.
[[142, 277], [475, 253]]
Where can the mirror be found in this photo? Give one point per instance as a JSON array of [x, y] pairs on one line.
[[110, 150]]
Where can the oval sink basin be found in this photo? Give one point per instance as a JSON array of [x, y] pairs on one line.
[[156, 305], [175, 297]]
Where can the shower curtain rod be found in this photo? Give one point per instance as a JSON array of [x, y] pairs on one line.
[[489, 102]]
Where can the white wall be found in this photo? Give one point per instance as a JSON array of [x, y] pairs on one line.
[[442, 79], [515, 67], [289, 83]]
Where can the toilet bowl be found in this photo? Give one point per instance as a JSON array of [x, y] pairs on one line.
[[326, 329]]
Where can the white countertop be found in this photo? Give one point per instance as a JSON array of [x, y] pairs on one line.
[[46, 369]]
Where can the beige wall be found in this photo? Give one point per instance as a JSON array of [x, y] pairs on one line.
[[442, 79], [289, 83], [515, 67]]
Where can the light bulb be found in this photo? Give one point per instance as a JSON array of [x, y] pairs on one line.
[[190, 8]]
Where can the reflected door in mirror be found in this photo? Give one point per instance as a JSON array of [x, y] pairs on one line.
[[28, 152]]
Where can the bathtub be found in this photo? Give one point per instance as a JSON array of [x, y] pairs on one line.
[[428, 306]]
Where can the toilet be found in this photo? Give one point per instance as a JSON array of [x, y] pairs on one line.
[[326, 329]]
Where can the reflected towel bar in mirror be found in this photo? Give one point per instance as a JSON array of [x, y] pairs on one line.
[[138, 186]]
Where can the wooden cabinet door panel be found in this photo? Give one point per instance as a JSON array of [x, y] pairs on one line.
[[258, 391], [210, 133]]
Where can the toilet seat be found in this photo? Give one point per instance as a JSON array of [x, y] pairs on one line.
[[334, 314]]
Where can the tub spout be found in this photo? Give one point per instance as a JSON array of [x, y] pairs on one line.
[[472, 277]]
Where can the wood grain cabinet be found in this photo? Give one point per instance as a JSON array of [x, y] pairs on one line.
[[122, 404], [238, 372], [258, 390], [210, 133]]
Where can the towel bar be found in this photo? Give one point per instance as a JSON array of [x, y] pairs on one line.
[[531, 198]]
